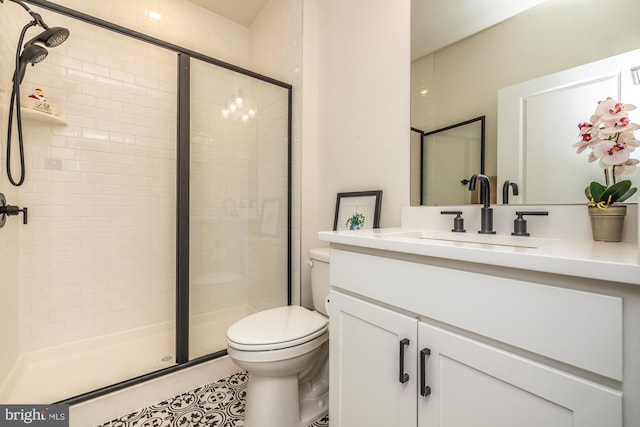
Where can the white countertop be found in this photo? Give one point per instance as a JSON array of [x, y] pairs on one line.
[[608, 261]]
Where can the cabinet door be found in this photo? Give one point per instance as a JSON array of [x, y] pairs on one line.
[[365, 365], [474, 384]]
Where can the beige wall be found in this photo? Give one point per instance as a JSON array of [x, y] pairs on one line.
[[554, 36], [364, 104], [356, 108]]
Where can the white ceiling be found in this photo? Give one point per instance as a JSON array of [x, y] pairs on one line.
[[439, 23], [243, 12], [434, 23]]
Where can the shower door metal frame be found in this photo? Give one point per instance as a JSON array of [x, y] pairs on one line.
[[182, 191]]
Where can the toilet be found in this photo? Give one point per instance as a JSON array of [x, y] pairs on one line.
[[285, 350]]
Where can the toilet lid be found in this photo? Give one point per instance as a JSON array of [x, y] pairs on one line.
[[277, 328]]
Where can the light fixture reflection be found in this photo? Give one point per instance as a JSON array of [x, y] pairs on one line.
[[155, 15], [238, 98], [238, 108]]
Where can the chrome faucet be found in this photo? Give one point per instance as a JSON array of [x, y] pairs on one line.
[[486, 213], [505, 191]]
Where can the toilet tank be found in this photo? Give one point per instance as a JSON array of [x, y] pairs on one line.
[[319, 278]]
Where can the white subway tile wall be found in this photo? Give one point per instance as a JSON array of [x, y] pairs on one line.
[[98, 255], [11, 20]]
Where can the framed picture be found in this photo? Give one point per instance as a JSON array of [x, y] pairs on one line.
[[357, 210]]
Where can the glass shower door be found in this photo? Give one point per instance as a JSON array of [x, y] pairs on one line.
[[239, 255]]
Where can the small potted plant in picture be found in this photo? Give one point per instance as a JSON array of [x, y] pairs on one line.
[[355, 221], [609, 134]]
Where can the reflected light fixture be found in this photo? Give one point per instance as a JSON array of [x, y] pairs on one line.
[[238, 97], [154, 14], [424, 91], [237, 107]]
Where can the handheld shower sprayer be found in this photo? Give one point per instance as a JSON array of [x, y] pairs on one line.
[[30, 55], [32, 52]]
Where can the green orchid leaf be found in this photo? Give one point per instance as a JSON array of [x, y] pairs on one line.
[[616, 191], [628, 194]]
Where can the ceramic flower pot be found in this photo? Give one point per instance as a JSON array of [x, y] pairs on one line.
[[606, 224]]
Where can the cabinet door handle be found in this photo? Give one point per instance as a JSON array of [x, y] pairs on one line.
[[425, 390], [404, 377]]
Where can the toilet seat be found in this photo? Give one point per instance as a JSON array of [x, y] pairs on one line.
[[276, 329]]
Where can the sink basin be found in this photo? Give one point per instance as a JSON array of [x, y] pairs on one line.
[[482, 239]]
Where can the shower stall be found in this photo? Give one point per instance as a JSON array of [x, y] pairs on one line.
[[159, 197]]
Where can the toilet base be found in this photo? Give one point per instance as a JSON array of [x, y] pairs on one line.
[[288, 401], [277, 402], [278, 405]]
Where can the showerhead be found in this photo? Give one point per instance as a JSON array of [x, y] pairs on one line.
[[50, 37], [33, 51], [33, 54], [30, 55]]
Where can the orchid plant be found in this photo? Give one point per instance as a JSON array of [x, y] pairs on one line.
[[609, 134]]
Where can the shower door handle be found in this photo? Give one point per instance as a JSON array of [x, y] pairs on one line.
[[403, 376]]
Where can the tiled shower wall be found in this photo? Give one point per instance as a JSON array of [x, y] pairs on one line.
[[62, 299], [98, 254], [10, 18]]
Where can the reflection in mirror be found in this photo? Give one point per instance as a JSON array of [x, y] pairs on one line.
[[537, 126], [462, 79], [448, 158]]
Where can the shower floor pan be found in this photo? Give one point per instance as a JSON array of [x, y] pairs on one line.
[[57, 373]]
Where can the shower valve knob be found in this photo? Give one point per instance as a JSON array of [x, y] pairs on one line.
[[9, 210], [14, 210]]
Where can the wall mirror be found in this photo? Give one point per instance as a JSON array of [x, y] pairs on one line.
[[448, 158], [461, 77]]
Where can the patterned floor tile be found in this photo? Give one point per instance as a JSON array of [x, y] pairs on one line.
[[218, 404]]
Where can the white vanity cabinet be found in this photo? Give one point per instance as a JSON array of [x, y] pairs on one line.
[[477, 384], [366, 365], [418, 344]]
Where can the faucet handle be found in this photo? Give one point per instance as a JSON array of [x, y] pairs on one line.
[[458, 221], [520, 224]]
